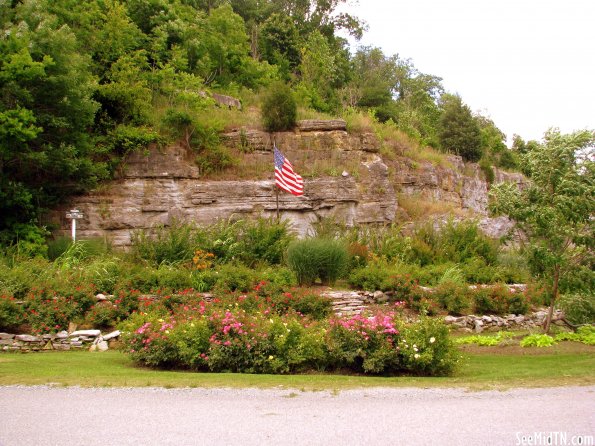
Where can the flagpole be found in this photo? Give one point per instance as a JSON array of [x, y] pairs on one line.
[[275, 185], [277, 195]]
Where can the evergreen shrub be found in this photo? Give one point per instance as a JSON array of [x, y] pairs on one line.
[[279, 108]]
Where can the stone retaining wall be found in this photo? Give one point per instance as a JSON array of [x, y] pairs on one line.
[[92, 340]]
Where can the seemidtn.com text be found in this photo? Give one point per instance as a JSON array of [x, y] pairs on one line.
[[553, 439]]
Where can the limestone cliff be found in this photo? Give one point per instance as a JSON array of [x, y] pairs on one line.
[[348, 180]]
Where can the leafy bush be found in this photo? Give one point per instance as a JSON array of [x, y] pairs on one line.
[[453, 297], [427, 349], [173, 278], [578, 308], [458, 242], [48, 311], [263, 241], [102, 315], [279, 108], [165, 244], [317, 258], [235, 278], [498, 299], [105, 273], [310, 304], [371, 277], [486, 167], [214, 160], [11, 314]]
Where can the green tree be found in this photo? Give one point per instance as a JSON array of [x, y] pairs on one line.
[[318, 72], [459, 132], [46, 109], [556, 209], [280, 43]]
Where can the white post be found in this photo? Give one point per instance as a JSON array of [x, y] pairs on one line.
[[73, 230]]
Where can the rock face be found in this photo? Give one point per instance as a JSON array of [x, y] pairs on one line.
[[159, 186], [458, 184]]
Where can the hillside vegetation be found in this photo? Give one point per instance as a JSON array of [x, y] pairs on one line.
[[84, 83]]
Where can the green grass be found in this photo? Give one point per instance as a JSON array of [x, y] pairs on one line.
[[481, 369]]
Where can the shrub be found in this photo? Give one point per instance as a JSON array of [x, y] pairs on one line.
[[264, 240], [165, 244], [219, 338], [48, 311], [105, 274], [317, 258], [403, 286], [578, 308], [102, 315], [310, 304], [371, 277], [453, 297], [499, 299], [173, 278], [279, 108], [426, 348], [486, 167], [235, 278], [214, 160], [11, 314]]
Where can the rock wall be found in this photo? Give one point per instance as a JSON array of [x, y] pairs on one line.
[[161, 185]]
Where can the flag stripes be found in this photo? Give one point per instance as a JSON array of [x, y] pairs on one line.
[[285, 177]]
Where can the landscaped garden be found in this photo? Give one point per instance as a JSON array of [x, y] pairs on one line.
[[248, 296]]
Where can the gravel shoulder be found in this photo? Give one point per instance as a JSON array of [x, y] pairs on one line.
[[45, 415]]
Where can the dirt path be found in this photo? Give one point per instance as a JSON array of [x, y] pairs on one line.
[[149, 416]]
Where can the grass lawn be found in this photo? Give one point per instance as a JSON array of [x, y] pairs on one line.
[[483, 368]]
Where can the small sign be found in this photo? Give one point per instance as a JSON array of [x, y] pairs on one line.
[[74, 214]]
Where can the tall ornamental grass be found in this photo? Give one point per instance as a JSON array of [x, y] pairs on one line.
[[317, 258]]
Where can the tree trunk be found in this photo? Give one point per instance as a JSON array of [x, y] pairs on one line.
[[548, 320]]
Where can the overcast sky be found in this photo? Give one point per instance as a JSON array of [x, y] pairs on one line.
[[527, 64]]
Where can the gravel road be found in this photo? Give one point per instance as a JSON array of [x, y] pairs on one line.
[[153, 416]]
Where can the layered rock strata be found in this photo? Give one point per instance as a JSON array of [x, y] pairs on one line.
[[347, 180]]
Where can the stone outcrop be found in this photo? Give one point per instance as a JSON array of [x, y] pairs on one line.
[[160, 185], [458, 184]]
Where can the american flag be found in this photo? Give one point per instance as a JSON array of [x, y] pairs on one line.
[[285, 177]]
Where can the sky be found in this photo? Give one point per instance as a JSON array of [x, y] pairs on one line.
[[527, 64]]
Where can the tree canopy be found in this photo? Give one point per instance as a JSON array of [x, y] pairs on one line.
[[556, 209]]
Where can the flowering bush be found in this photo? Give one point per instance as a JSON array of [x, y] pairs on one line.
[[202, 260], [251, 338], [48, 311], [102, 315], [364, 344]]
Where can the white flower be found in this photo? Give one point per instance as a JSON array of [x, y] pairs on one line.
[[432, 340], [416, 356], [415, 348]]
